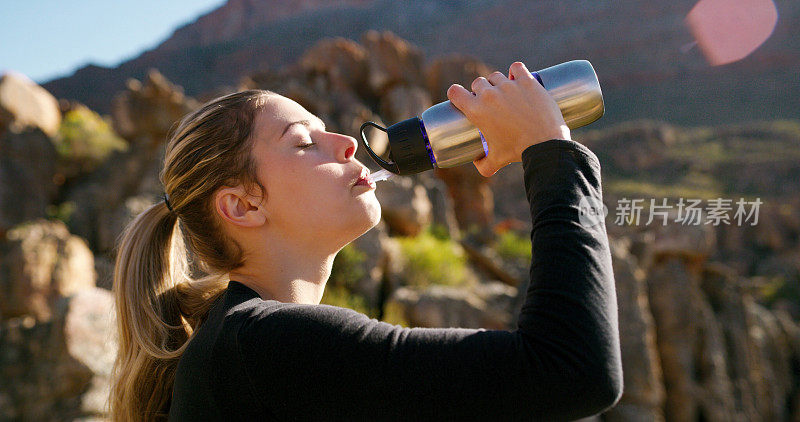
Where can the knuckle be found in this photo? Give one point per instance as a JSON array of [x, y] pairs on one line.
[[491, 95]]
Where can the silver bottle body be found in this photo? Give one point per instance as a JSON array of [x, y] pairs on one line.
[[573, 85]]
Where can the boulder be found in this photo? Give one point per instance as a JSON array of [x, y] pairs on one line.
[[145, 112], [483, 305], [403, 102], [643, 395], [391, 61], [341, 61], [24, 104], [691, 346], [27, 169], [405, 206], [40, 263], [59, 369], [473, 200], [452, 69]]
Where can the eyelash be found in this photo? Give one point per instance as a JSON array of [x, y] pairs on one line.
[[304, 146]]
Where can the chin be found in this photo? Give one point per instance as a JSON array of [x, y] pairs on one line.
[[373, 213]]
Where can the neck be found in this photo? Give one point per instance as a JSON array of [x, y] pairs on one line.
[[286, 274]]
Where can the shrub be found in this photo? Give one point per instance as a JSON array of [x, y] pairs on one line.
[[514, 247], [347, 270], [431, 260], [84, 140]]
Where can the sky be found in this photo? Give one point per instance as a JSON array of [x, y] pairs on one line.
[[45, 39]]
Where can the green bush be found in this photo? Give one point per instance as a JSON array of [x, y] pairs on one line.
[[347, 267], [514, 247], [431, 260], [344, 298], [62, 211], [347, 270], [86, 139]]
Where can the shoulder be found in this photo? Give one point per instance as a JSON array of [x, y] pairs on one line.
[[264, 322]]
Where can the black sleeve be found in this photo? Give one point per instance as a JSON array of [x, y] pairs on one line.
[[320, 362]]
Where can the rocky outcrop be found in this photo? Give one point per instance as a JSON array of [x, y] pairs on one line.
[[391, 61], [450, 69], [59, 369], [484, 305], [405, 206], [146, 111], [643, 395], [27, 168], [144, 115], [24, 104], [40, 264], [342, 62]]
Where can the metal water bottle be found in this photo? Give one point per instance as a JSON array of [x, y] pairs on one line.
[[443, 137]]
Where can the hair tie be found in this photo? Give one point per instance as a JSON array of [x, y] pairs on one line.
[[166, 201]]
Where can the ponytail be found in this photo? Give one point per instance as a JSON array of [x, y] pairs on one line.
[[158, 308], [159, 303]]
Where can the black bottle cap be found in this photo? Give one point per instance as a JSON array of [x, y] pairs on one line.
[[408, 147]]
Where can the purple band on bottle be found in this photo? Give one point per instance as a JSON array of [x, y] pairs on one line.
[[427, 143], [485, 147], [538, 78]]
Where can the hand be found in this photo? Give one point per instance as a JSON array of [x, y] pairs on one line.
[[511, 112]]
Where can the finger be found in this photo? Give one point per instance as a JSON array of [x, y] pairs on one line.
[[518, 71], [479, 84], [496, 78], [460, 97]]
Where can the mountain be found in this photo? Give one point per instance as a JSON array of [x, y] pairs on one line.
[[641, 50]]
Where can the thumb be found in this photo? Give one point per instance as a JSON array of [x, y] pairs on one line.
[[460, 97], [484, 167]]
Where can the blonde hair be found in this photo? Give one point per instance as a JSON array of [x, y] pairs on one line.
[[159, 303]]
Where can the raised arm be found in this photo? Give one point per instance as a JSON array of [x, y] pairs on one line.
[[562, 362]]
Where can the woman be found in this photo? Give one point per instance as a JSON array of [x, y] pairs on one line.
[[266, 197]]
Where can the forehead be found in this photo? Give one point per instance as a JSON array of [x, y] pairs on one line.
[[278, 112]]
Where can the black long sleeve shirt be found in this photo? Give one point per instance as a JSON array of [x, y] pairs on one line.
[[255, 359]]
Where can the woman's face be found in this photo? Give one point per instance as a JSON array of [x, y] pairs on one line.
[[310, 177]]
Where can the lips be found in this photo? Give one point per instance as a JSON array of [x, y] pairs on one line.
[[363, 179]]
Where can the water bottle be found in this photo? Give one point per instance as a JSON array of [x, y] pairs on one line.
[[443, 137]]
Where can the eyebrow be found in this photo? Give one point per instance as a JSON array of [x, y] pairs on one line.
[[304, 122]]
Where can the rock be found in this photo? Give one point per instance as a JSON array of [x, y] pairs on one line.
[[145, 112], [24, 104], [695, 241], [59, 369], [41, 262], [691, 346], [472, 198], [369, 286], [27, 169], [101, 213], [405, 206], [759, 358], [635, 147], [404, 102], [144, 115], [452, 69], [484, 305], [643, 395], [391, 61], [341, 61]]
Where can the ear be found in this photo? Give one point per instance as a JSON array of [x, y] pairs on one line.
[[238, 207]]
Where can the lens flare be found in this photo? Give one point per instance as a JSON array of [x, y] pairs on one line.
[[729, 30]]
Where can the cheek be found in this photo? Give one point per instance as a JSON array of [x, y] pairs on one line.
[[307, 195]]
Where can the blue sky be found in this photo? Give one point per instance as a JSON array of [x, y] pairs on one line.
[[44, 39]]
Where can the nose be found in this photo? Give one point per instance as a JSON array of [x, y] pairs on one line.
[[345, 147]]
